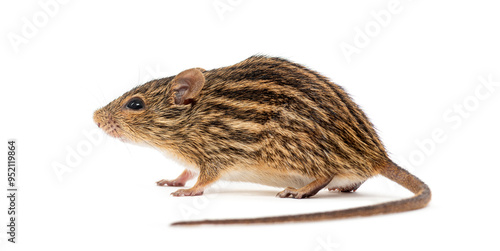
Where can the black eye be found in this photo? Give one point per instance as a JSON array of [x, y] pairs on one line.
[[135, 104]]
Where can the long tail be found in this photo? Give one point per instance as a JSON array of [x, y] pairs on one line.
[[392, 171]]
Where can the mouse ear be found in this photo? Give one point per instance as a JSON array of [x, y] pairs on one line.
[[187, 85]]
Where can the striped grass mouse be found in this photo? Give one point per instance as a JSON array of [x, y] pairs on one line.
[[264, 120]]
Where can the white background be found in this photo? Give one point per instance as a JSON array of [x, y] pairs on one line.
[[413, 73]]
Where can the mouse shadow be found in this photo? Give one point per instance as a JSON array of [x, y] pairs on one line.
[[321, 195], [245, 192], [358, 195]]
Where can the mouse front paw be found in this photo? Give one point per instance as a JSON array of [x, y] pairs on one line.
[[171, 183], [187, 192]]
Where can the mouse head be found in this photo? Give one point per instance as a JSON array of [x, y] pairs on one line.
[[153, 112]]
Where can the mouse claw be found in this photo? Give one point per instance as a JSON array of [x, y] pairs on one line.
[[283, 194]]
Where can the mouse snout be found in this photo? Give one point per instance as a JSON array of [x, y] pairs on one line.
[[96, 118], [107, 123], [100, 118]]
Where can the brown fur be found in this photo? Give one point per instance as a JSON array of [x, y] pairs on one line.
[[264, 120]]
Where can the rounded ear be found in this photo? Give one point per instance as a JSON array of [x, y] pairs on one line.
[[187, 85]]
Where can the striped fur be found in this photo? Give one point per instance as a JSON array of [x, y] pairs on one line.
[[264, 114]]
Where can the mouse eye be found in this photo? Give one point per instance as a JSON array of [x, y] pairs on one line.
[[135, 104]]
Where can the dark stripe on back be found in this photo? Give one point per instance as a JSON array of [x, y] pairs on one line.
[[258, 71]]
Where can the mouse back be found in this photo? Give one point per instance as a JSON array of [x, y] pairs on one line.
[[271, 112]]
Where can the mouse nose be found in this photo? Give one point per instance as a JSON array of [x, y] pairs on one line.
[[96, 118]]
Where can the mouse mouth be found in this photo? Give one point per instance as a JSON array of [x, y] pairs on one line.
[[113, 132]]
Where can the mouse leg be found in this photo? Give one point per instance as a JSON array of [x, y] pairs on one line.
[[306, 191], [179, 181], [205, 178]]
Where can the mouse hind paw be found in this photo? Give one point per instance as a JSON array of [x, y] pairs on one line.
[[347, 189], [294, 193], [306, 191]]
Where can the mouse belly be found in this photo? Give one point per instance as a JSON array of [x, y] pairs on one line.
[[281, 180], [268, 178]]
